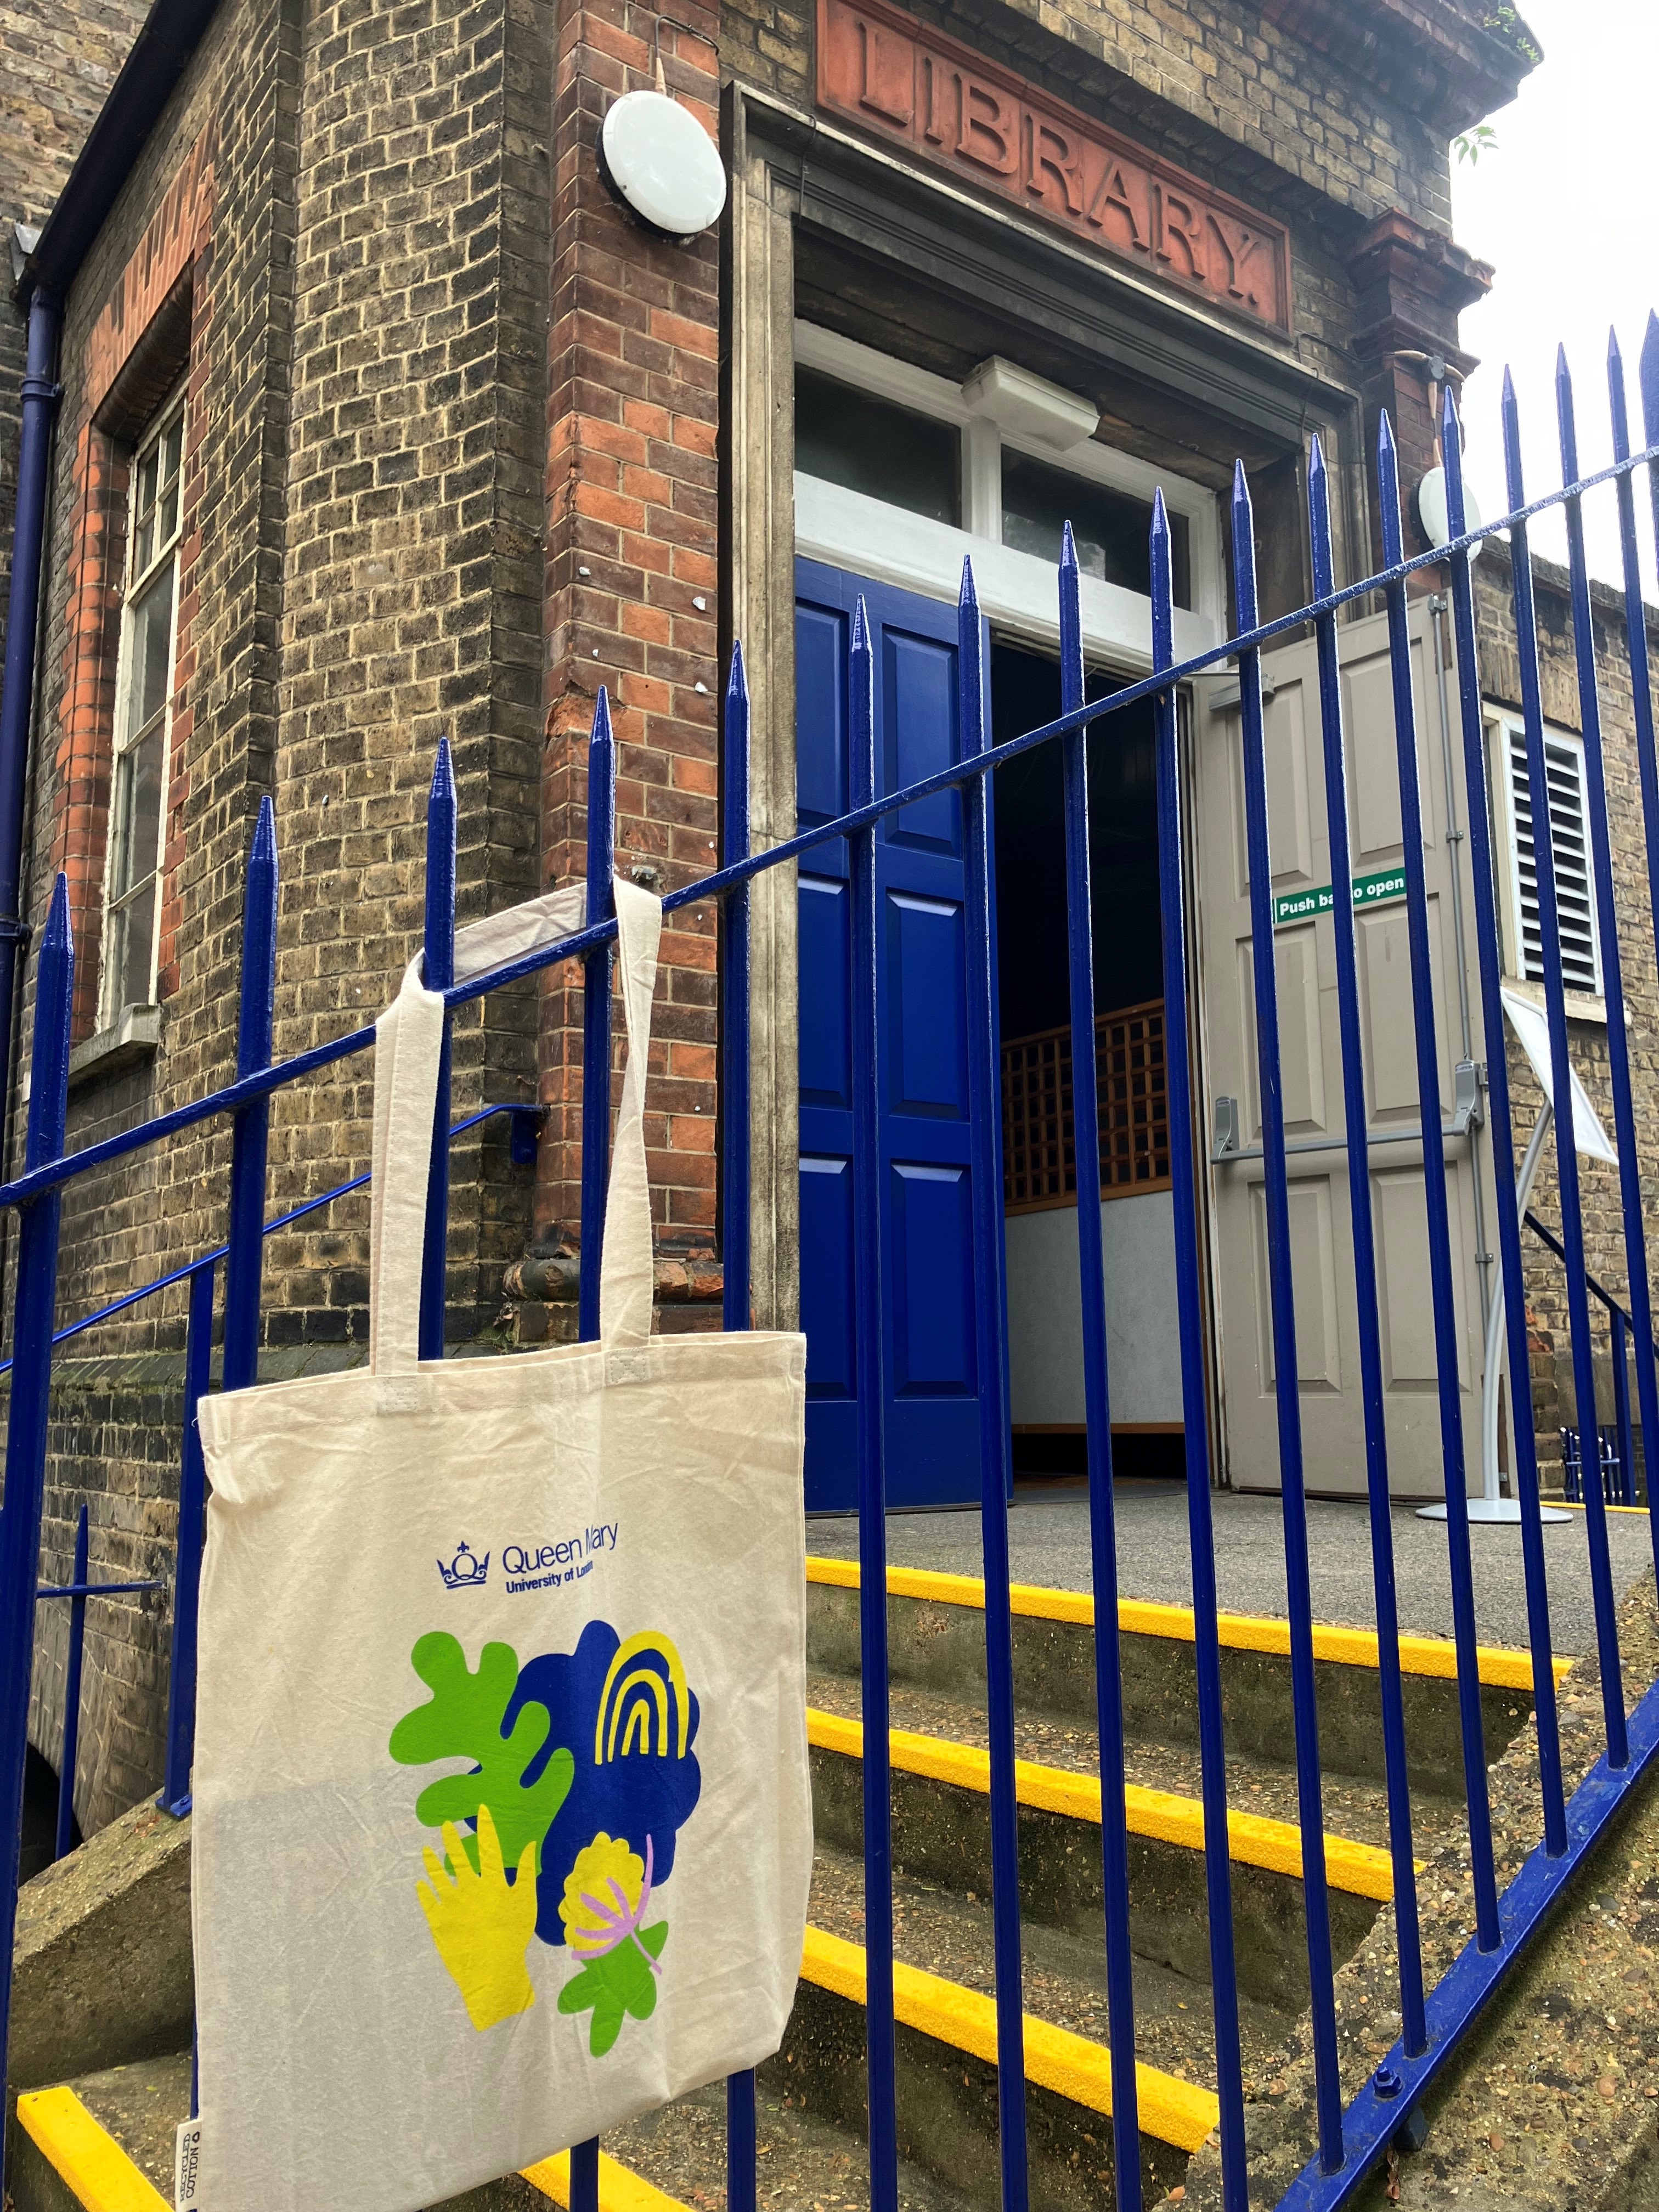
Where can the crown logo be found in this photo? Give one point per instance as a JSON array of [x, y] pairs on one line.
[[464, 1570]]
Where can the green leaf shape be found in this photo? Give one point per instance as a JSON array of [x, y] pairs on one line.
[[462, 1719], [614, 1985]]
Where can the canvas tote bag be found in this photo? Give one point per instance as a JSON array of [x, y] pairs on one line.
[[503, 1823]]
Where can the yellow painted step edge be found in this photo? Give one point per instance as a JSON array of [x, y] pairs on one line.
[[1360, 1869], [99, 2175], [1500, 1670], [85, 2156], [619, 2190], [1173, 2110]]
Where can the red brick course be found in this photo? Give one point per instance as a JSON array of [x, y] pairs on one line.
[[632, 547], [173, 249]]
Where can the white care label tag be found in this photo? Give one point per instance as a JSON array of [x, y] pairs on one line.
[[187, 2165]]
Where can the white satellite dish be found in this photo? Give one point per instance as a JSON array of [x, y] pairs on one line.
[[661, 163], [1432, 509]]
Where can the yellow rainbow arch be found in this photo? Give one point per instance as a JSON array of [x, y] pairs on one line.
[[647, 1644]]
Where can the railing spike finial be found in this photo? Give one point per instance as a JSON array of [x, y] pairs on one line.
[[263, 851], [1388, 492], [1451, 454], [1243, 550], [1067, 547], [443, 772], [968, 597], [737, 681], [1513, 474], [1650, 380], [1316, 457], [1613, 352], [860, 627], [600, 732], [1566, 417]]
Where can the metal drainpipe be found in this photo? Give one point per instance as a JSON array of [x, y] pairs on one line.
[[40, 398], [1437, 614]]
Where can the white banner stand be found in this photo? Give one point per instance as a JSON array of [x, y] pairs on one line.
[[1532, 1031]]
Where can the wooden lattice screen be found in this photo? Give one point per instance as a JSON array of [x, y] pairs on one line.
[[1038, 1159]]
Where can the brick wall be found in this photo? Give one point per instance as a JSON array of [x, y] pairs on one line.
[[363, 573], [632, 587], [1599, 1184]]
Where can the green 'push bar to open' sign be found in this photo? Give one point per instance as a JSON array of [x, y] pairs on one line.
[[1368, 890]]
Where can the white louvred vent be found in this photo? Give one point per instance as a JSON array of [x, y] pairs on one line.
[[1575, 891]]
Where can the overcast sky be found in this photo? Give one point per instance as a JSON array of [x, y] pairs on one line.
[[1567, 208]]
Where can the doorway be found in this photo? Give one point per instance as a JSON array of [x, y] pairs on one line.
[[1045, 1348]]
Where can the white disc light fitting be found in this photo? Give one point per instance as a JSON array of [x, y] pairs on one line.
[[662, 164]]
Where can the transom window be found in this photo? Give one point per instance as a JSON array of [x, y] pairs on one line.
[[993, 469], [143, 695], [865, 444]]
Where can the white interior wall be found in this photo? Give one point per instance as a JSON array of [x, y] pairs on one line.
[[1045, 1328]]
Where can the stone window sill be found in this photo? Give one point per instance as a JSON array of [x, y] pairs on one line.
[[1581, 1005], [135, 1035]]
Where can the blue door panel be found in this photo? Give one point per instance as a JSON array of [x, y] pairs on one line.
[[932, 1280], [931, 1417], [821, 635], [927, 1012], [826, 1291], [919, 725], [826, 1037]]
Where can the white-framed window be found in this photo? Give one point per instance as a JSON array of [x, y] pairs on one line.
[[1515, 853], [897, 476], [144, 694]]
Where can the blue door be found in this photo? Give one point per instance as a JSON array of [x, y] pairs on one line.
[[927, 1261]]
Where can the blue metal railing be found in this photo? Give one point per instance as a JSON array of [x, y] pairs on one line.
[[1352, 2136], [201, 1275], [1612, 1466]]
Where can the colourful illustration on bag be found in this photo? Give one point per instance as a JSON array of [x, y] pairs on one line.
[[582, 1773], [606, 1897]]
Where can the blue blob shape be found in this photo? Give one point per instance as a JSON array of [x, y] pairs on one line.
[[638, 1795]]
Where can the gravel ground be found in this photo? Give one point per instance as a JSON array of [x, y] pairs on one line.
[[803, 2165], [1048, 1539]]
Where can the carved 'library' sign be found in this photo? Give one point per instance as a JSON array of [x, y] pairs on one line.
[[897, 76]]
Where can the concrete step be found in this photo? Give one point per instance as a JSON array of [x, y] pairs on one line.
[[105, 2144], [936, 1642], [941, 1838], [945, 2060]]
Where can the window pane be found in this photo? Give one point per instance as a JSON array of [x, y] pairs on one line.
[[131, 944], [869, 445], [171, 448], [1111, 528], [150, 645], [138, 813]]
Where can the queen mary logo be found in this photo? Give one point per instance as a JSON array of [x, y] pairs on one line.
[[465, 1570]]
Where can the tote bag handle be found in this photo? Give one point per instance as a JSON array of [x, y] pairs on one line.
[[407, 1041]]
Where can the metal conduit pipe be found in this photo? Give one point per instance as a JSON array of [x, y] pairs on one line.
[[41, 393]]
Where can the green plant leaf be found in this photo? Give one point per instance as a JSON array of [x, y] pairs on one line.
[[619, 1982], [462, 1719]]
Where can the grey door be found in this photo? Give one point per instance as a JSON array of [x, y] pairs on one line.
[[1321, 1250]]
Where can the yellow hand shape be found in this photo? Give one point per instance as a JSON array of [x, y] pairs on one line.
[[480, 1925]]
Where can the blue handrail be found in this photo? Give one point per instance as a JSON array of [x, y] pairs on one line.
[[532, 1114]]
